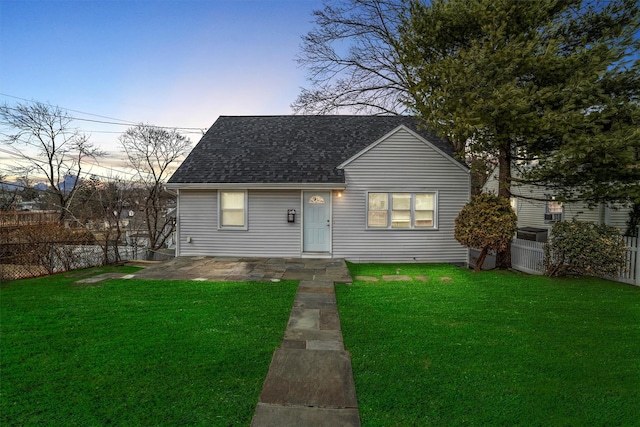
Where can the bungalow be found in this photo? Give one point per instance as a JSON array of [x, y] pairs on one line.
[[363, 188]]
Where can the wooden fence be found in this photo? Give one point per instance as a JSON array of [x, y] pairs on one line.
[[17, 218], [527, 256]]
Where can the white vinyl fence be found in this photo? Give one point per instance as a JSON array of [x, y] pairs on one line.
[[527, 256], [632, 272]]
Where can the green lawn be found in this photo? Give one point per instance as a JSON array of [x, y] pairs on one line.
[[494, 348], [137, 352]]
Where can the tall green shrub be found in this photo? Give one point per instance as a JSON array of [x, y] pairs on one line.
[[582, 248], [487, 223], [634, 220]]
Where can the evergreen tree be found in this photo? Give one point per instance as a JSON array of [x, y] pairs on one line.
[[553, 82]]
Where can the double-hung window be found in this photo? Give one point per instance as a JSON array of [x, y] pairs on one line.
[[233, 210], [553, 211], [401, 210]]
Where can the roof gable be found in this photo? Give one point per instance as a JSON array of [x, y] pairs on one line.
[[289, 149], [425, 141]]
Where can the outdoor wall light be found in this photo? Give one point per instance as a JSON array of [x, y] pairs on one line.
[[339, 194], [291, 215]]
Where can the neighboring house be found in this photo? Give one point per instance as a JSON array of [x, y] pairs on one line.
[[28, 205], [537, 210], [364, 188]]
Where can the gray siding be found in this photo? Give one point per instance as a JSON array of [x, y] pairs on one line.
[[268, 235], [531, 212], [400, 163], [618, 216], [491, 185]]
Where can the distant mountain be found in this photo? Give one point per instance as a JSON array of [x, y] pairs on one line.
[[7, 186], [68, 183], [12, 185]]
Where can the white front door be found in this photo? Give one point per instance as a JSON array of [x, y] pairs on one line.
[[317, 221]]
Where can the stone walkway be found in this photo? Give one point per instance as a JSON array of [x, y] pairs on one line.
[[310, 381]]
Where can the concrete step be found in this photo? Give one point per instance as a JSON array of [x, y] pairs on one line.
[[312, 378], [295, 416]]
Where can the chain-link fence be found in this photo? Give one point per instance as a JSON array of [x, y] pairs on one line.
[[24, 260]]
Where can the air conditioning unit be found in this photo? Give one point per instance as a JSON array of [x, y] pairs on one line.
[[532, 234], [552, 217]]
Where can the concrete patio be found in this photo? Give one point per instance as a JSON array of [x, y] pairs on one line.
[[246, 269]]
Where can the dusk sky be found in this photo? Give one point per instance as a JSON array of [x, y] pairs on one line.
[[172, 63]]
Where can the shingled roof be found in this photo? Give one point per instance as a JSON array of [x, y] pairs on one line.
[[286, 149]]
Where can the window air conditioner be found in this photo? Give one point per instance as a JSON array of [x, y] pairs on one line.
[[553, 217]]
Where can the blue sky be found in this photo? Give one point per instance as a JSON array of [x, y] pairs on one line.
[[170, 63]]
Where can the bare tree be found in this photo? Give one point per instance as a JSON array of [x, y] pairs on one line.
[[352, 59], [152, 152], [101, 204], [28, 192], [8, 194], [60, 149]]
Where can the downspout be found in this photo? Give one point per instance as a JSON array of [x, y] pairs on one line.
[[177, 229]]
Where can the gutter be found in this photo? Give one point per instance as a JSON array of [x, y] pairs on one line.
[[257, 186]]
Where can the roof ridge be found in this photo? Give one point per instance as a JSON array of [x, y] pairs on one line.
[[318, 115]]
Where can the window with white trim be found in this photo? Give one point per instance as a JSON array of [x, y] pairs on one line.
[[401, 210], [553, 211], [233, 210], [513, 201]]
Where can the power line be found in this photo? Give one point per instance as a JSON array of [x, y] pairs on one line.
[[24, 187], [86, 161], [129, 124], [120, 132], [23, 156], [69, 109], [117, 122]]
